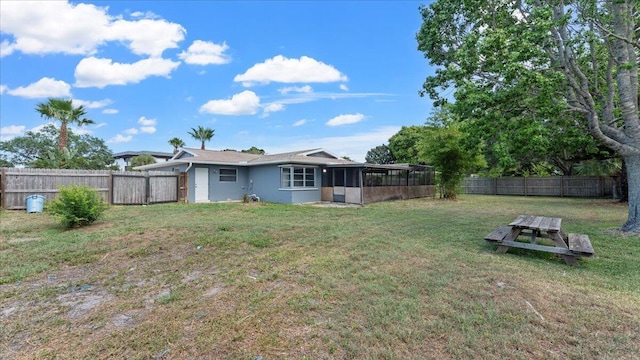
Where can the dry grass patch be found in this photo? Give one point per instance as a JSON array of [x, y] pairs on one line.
[[401, 280]]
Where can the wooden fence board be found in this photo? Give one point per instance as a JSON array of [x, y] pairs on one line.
[[575, 186], [115, 187]]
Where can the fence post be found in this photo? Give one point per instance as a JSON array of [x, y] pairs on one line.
[[525, 185], [562, 186], [3, 188], [147, 188], [110, 188], [495, 186]]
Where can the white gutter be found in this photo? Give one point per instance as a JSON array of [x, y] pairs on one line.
[[188, 167]]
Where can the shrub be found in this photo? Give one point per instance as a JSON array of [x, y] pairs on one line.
[[77, 206]]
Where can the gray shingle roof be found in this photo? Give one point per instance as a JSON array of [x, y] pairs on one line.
[[197, 156]]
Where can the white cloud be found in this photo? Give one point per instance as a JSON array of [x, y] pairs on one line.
[[110, 111], [304, 89], [271, 108], [300, 122], [98, 126], [80, 130], [148, 126], [345, 119], [119, 139], [42, 27], [145, 15], [284, 70], [131, 131], [43, 88], [13, 129], [146, 36], [244, 103], [146, 122], [3, 88], [6, 48], [9, 132], [344, 87], [205, 53], [92, 104], [95, 72]]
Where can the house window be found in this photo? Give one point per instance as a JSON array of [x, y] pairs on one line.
[[228, 175], [298, 177]]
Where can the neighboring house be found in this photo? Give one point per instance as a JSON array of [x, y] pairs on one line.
[[305, 176], [123, 159]]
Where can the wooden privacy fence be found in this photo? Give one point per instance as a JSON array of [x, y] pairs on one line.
[[115, 187], [570, 186]]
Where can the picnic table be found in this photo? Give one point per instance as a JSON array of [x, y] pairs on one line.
[[570, 246]]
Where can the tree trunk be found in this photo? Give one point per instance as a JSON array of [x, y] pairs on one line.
[[202, 146], [624, 184], [632, 163], [62, 140]]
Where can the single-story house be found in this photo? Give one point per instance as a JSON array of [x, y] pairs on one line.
[[305, 176], [123, 159]]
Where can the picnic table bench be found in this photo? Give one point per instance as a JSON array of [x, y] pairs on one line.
[[570, 246]]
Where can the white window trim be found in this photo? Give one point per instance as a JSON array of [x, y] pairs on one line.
[[291, 180], [220, 174]]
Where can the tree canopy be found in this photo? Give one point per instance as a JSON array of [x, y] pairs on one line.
[[40, 150], [202, 134], [380, 154], [176, 143], [553, 80], [63, 111]]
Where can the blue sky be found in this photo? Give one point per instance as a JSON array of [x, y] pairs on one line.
[[281, 76]]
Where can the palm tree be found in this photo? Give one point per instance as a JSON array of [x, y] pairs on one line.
[[176, 143], [202, 134], [63, 111]]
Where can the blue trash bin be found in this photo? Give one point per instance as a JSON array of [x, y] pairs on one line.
[[35, 203]]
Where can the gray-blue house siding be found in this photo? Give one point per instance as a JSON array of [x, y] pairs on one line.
[[254, 174]]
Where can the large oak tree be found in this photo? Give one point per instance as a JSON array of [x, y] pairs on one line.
[[548, 64]]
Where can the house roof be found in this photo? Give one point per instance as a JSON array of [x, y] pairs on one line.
[[217, 157], [130, 154]]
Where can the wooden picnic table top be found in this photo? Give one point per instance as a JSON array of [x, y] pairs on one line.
[[542, 223]]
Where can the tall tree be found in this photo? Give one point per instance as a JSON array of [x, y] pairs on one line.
[[404, 144], [40, 150], [535, 62], [63, 111], [380, 154], [203, 134], [176, 143]]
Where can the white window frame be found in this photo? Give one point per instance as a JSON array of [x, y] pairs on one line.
[[290, 175], [220, 175]]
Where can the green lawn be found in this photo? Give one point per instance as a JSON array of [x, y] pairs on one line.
[[399, 280]]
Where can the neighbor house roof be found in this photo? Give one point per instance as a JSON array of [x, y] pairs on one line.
[[131, 154], [217, 157]]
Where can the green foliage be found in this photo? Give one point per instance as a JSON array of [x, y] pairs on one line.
[[144, 159], [77, 206], [380, 154], [64, 112], [444, 150], [253, 150], [203, 134], [176, 143], [404, 145], [506, 87], [40, 150]]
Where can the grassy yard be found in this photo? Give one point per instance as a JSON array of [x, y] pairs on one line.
[[400, 280]]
